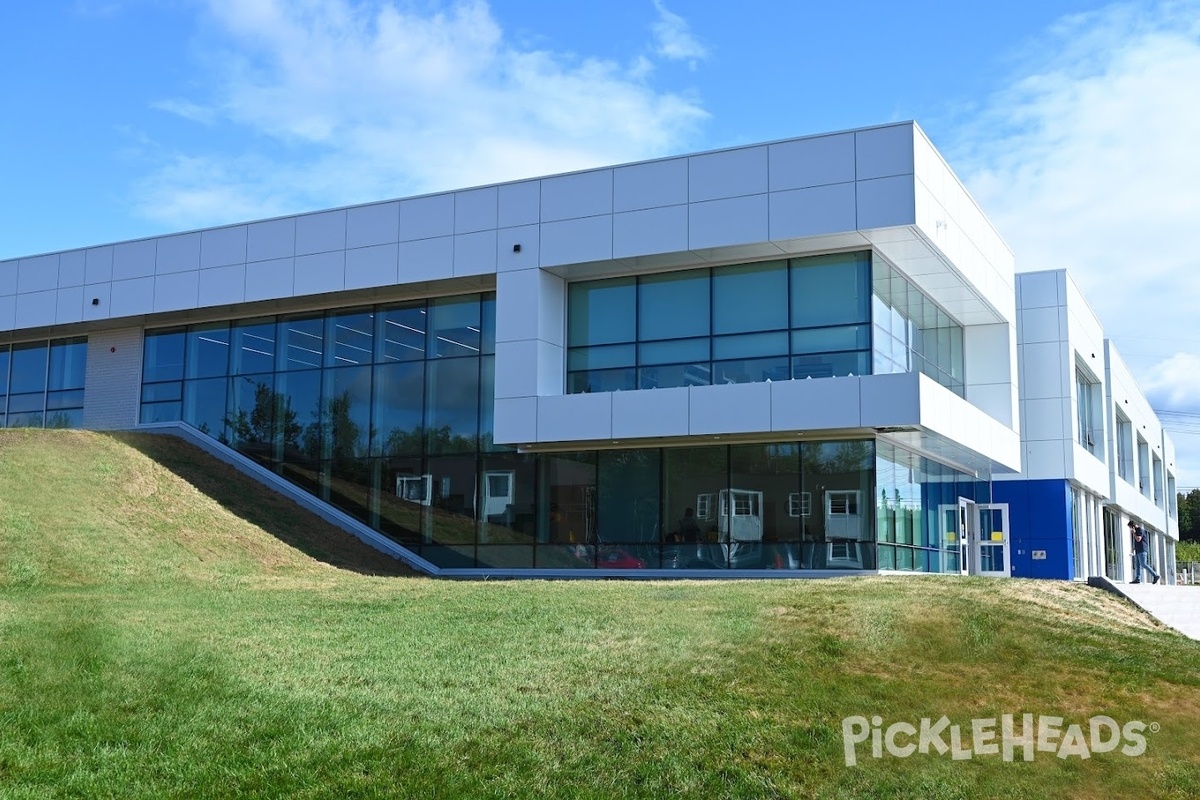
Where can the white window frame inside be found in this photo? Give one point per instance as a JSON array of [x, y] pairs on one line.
[[800, 504], [1087, 396], [1124, 447], [423, 485]]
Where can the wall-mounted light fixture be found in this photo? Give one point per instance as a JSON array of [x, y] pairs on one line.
[[95, 301], [516, 248]]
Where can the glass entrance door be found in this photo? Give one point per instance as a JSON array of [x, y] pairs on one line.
[[990, 551], [966, 559], [956, 540]]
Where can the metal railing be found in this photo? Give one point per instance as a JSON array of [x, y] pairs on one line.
[[1187, 573]]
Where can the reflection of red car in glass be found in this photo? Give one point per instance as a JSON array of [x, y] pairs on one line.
[[616, 558]]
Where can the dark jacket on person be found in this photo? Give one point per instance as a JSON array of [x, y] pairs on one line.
[[1139, 543], [689, 529]]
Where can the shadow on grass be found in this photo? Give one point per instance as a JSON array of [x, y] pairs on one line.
[[245, 497]]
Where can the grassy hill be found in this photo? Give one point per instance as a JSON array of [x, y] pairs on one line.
[[167, 629]]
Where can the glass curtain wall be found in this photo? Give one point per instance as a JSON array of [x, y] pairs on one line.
[[1077, 533], [912, 333], [1112, 545], [748, 506], [817, 316], [916, 510], [773, 320], [378, 410], [41, 383], [382, 412]]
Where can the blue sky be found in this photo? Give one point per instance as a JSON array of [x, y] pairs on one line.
[[1074, 124]]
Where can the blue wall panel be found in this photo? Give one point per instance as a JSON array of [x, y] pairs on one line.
[[1039, 515]]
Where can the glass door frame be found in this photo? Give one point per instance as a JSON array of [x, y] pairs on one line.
[[978, 543]]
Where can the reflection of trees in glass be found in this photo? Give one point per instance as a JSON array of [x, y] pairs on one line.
[[59, 420], [834, 458], [345, 435], [444, 440], [835, 466], [771, 459], [400, 442], [271, 411]]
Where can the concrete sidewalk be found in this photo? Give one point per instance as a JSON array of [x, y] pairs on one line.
[[1175, 606]]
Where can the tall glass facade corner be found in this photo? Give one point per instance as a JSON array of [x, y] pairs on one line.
[[912, 333], [42, 383], [378, 410], [916, 510], [385, 411]]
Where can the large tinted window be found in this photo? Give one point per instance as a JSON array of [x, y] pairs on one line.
[[27, 401], [383, 411], [68, 364], [42, 383], [162, 357], [602, 312], [301, 342], [912, 333], [674, 306], [750, 297], [452, 405], [454, 327], [775, 320], [351, 337], [253, 346], [400, 335], [347, 412], [208, 350], [831, 290], [399, 409]]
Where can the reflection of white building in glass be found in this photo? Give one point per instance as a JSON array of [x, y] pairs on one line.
[[415, 488], [820, 346]]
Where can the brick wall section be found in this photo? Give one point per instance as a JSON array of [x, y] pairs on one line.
[[114, 379]]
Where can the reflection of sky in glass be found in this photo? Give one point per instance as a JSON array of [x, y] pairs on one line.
[[208, 351], [399, 404], [68, 364], [453, 396], [28, 368]]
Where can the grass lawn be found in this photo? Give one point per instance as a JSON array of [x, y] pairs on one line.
[[168, 629]]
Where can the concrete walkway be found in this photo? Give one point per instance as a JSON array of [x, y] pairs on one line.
[[1174, 606]]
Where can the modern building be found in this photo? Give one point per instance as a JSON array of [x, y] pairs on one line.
[[1094, 453], [799, 357]]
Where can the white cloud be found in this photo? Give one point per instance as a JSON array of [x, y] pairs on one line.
[[674, 37], [358, 101], [186, 109], [1174, 383], [1090, 161]]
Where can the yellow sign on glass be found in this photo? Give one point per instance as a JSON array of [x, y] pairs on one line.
[[997, 536], [951, 536]]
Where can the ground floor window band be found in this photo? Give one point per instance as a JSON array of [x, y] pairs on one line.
[[41, 383]]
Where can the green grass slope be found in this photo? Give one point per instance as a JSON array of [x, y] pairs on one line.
[[166, 633]]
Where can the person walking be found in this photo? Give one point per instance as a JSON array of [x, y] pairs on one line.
[[1140, 553]]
